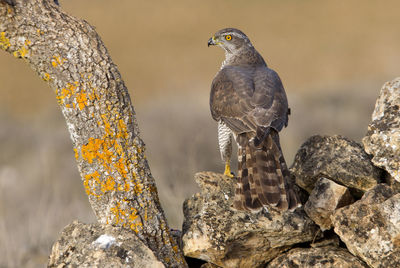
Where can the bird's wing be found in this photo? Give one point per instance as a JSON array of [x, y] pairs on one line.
[[247, 98]]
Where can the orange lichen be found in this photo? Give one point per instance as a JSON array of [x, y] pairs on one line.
[[134, 221], [122, 130], [90, 183], [125, 214], [81, 99], [116, 211], [4, 41], [107, 125], [46, 77], [118, 148], [120, 166], [92, 96], [66, 93], [90, 151], [76, 153], [57, 60], [108, 185], [22, 51]]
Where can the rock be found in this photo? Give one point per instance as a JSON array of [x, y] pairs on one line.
[[370, 227], [336, 158], [327, 257], [96, 245], [209, 265], [383, 136], [325, 198], [214, 232]]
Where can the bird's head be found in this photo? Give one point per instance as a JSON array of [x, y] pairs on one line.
[[230, 39]]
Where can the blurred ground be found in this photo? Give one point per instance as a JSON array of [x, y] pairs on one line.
[[333, 57]]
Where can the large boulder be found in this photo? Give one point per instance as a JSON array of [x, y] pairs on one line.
[[327, 257], [383, 136], [370, 227], [336, 158], [216, 233], [96, 245], [325, 198]]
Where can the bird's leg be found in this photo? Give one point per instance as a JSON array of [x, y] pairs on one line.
[[227, 171], [225, 146]]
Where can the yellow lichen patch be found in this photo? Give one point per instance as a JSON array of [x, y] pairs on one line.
[[99, 149], [4, 41], [145, 213], [57, 60], [76, 153], [107, 125], [106, 156], [127, 215], [46, 77], [138, 188], [92, 96], [91, 183], [108, 185], [116, 211], [39, 32], [90, 151], [81, 99], [66, 93], [23, 51], [134, 221], [127, 187], [118, 149], [120, 166], [122, 131]]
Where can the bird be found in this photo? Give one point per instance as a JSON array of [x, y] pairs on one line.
[[249, 102]]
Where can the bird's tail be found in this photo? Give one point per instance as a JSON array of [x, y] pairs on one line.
[[263, 176]]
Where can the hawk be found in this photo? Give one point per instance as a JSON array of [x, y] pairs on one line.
[[249, 102]]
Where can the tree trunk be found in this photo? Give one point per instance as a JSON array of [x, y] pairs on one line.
[[68, 54]]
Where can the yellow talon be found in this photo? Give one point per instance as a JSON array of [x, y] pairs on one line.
[[228, 169]]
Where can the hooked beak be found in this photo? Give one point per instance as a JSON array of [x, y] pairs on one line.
[[211, 41]]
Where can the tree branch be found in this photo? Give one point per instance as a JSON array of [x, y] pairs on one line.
[[69, 55]]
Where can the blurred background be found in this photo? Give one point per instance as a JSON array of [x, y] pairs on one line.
[[332, 56]]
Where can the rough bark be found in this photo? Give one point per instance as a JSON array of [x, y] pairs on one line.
[[68, 54]]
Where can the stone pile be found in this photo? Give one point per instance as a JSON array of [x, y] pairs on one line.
[[350, 216]]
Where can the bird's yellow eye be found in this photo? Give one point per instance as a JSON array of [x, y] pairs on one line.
[[228, 37]]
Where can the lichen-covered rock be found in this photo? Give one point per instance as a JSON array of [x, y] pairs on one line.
[[336, 158], [325, 198], [96, 245], [214, 232], [383, 136], [326, 257], [370, 227]]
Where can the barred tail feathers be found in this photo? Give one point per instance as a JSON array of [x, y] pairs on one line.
[[262, 175]]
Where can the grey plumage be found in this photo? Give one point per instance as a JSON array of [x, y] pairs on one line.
[[249, 98]]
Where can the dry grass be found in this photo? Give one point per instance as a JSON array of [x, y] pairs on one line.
[[332, 56]]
